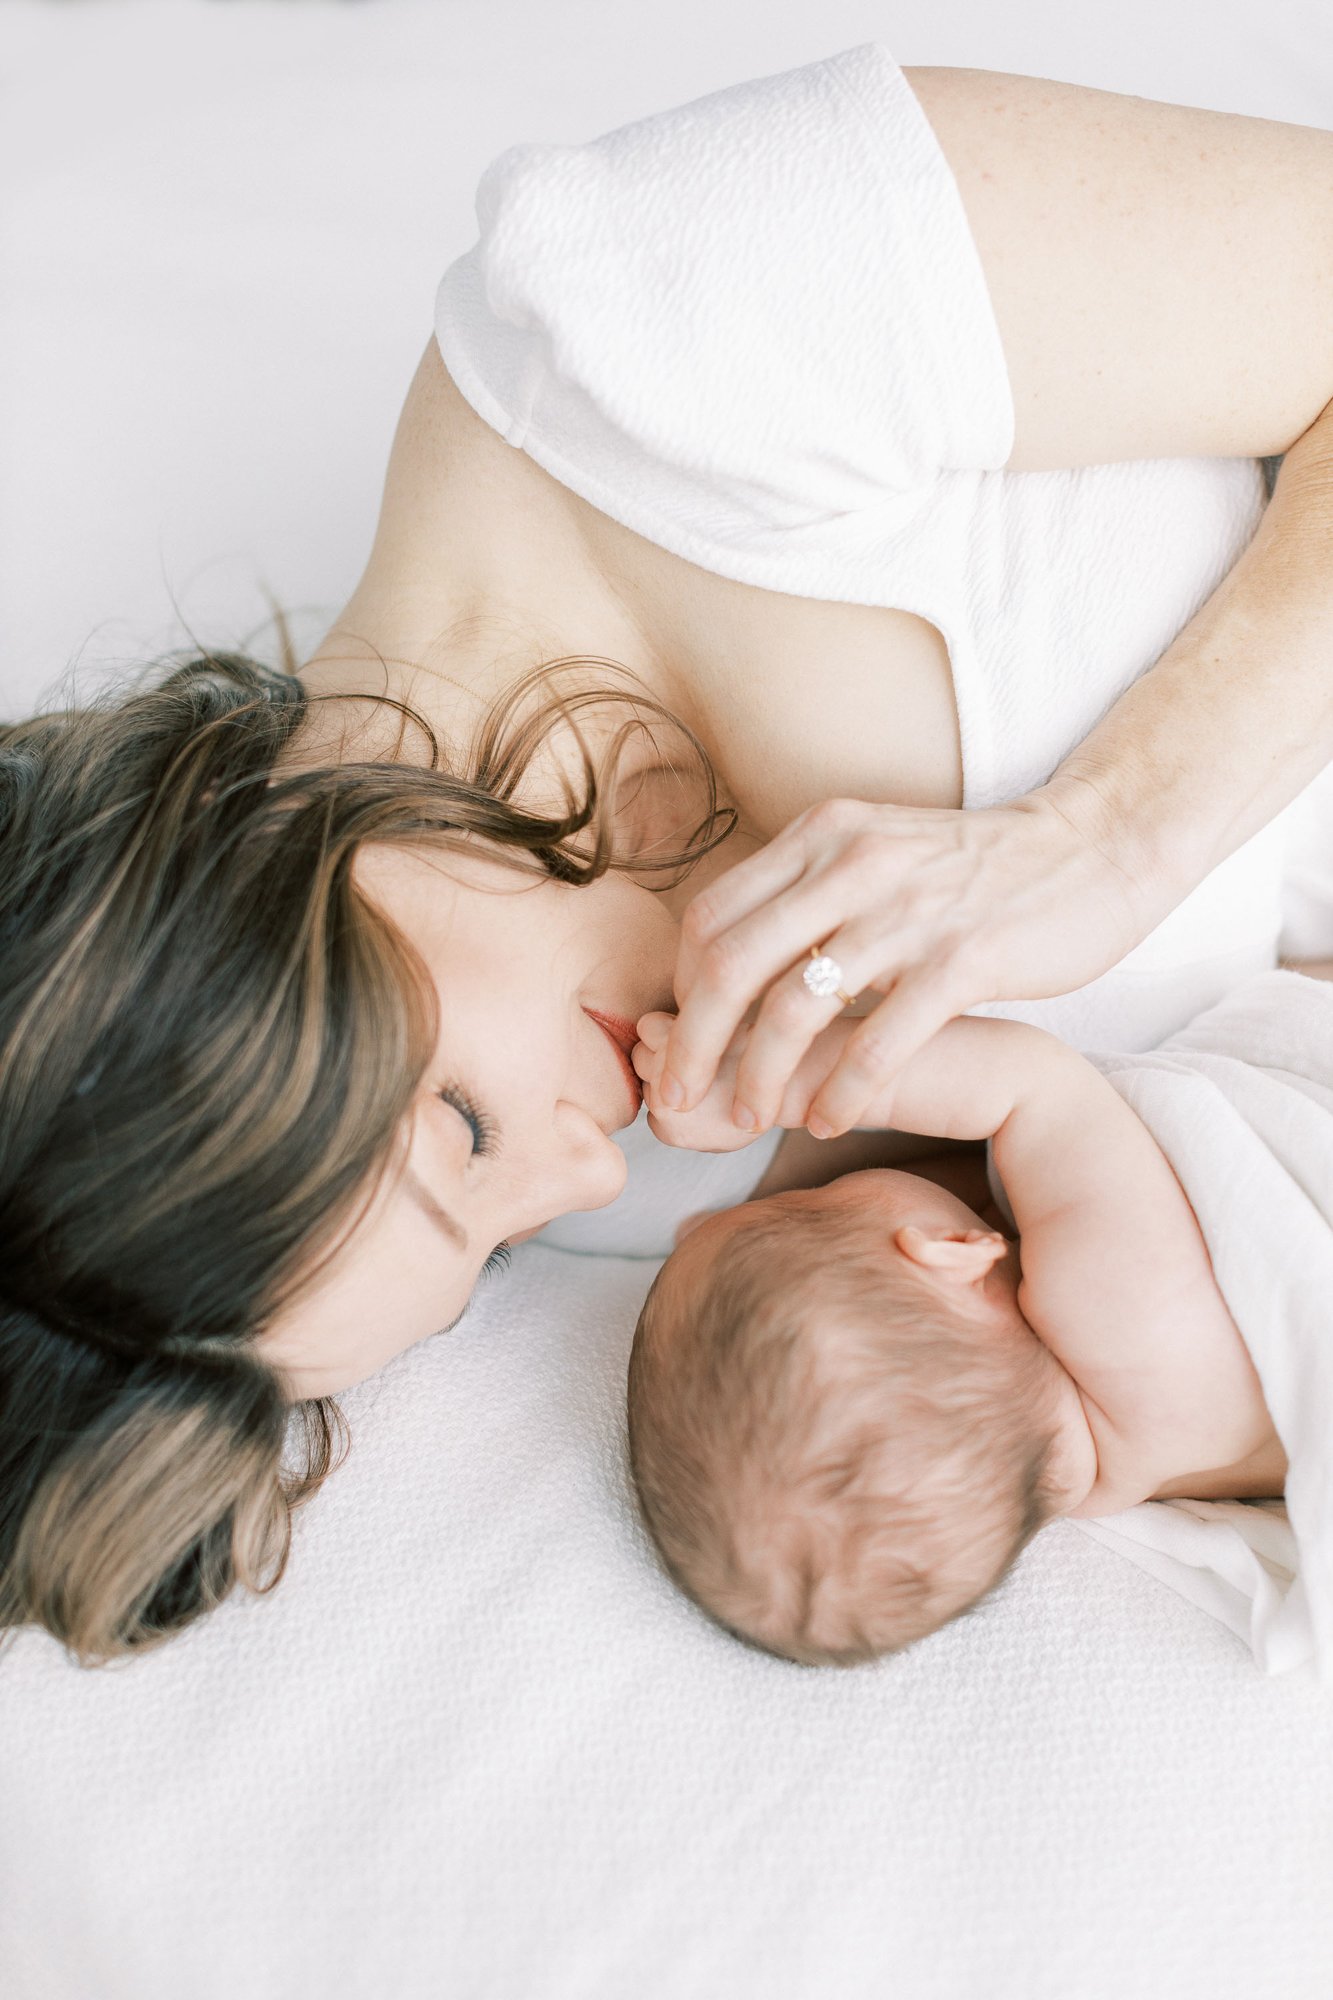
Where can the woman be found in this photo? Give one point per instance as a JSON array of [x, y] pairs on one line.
[[319, 990]]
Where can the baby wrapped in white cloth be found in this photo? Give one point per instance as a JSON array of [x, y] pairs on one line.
[[850, 1406]]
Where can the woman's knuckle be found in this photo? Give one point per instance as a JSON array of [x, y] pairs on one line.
[[786, 1008], [962, 963], [723, 963], [699, 921], [933, 979], [832, 816], [870, 1054], [867, 850]]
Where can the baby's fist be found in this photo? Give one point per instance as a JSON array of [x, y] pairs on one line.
[[706, 1129]]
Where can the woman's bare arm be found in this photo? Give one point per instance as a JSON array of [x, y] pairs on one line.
[[1163, 284], [1236, 717], [1162, 277], [941, 911]]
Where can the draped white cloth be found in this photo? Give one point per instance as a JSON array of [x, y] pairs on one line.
[[1241, 1103]]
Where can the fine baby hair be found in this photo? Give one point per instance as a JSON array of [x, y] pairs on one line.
[[831, 1462]]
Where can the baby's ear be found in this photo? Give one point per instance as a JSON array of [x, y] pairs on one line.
[[964, 1255]]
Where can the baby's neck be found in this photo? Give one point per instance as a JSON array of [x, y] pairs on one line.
[[1072, 1469]]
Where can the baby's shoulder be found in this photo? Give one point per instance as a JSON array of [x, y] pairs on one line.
[[1118, 1283]]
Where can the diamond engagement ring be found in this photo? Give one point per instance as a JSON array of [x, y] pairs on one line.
[[823, 978]]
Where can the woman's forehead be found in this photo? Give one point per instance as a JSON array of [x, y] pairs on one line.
[[393, 871]]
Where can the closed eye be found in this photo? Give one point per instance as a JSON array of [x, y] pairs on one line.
[[485, 1135], [499, 1260]]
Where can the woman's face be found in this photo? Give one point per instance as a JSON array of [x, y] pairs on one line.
[[512, 1121]]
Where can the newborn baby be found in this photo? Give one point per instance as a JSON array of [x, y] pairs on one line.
[[852, 1405]]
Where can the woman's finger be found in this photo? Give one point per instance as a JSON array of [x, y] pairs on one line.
[[790, 1020], [812, 837], [647, 1062], [744, 962], [917, 1007], [790, 1017], [733, 897]]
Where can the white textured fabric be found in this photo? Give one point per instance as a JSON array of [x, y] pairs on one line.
[[665, 1185], [477, 1747], [625, 289], [755, 330], [1307, 880], [1241, 1103]]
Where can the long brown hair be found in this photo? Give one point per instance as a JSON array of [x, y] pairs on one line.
[[208, 1042]]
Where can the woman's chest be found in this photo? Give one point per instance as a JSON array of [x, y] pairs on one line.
[[797, 699]]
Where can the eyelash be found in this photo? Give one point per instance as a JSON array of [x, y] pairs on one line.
[[483, 1141], [482, 1129]]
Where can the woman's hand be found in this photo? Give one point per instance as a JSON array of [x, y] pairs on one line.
[[936, 911]]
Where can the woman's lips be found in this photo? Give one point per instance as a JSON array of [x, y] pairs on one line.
[[622, 1036]]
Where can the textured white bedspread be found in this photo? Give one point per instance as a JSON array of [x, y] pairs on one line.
[[477, 1746]]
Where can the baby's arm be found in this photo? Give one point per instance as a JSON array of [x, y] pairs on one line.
[[1116, 1276], [802, 1161], [951, 1089]]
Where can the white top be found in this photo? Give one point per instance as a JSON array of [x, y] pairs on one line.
[[755, 330]]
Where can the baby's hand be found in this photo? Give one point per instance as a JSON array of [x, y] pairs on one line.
[[708, 1128]]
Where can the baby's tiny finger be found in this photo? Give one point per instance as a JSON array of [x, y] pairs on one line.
[[654, 1029], [647, 1062]]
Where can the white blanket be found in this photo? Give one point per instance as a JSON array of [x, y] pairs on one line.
[[476, 1747], [1241, 1103]]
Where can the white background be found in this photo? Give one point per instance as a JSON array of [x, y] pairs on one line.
[[476, 1747], [222, 223]]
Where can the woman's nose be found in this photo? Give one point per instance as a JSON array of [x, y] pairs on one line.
[[590, 1169]]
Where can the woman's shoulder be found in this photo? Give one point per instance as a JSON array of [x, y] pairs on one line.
[[752, 312]]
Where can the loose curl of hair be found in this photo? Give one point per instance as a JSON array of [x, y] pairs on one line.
[[208, 1041]]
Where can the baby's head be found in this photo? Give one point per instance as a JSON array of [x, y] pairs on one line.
[[842, 1429]]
